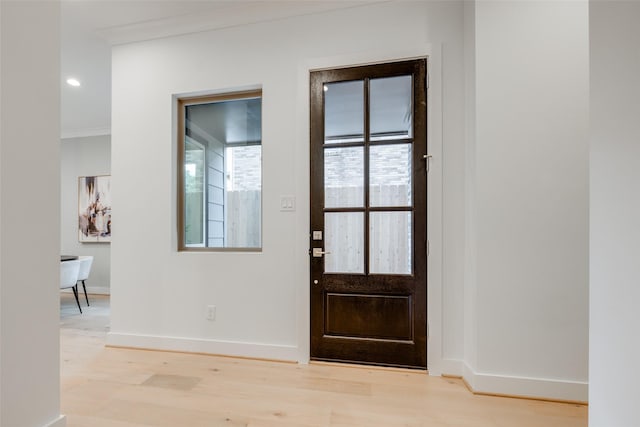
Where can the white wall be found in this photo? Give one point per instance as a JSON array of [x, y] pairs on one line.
[[29, 214], [452, 204], [508, 187], [531, 197], [470, 297], [84, 157], [158, 295], [615, 209]]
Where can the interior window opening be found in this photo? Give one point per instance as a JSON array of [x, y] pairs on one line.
[[220, 194]]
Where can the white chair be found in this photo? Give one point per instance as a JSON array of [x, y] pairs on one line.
[[69, 277], [83, 274]]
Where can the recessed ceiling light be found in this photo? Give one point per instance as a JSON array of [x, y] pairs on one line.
[[73, 82]]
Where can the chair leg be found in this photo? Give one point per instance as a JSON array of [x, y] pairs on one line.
[[75, 294], [85, 292]]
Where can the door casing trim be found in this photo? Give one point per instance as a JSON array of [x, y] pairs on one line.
[[433, 53]]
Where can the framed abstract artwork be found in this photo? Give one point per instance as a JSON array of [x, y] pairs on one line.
[[94, 208]]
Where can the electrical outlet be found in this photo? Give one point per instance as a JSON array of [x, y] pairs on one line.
[[211, 312]]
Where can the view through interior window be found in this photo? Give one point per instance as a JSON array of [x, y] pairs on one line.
[[220, 172]]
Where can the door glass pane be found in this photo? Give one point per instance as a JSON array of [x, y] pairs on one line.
[[344, 240], [390, 241], [390, 175], [344, 112], [344, 177], [391, 108]]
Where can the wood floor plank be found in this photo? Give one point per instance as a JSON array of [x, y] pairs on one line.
[[112, 387]]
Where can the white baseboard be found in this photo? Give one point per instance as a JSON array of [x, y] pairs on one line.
[[61, 421], [538, 388], [452, 367], [99, 290], [197, 345], [96, 290], [83, 133]]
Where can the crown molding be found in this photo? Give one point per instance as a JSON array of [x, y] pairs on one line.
[[228, 15]]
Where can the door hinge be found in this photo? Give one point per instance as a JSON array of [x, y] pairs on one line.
[[428, 334], [427, 80], [428, 247]]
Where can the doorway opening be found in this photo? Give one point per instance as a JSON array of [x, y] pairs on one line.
[[368, 232]]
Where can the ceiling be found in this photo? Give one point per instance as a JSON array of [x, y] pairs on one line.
[[89, 28]]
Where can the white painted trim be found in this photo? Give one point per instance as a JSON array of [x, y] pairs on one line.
[[434, 190], [287, 353], [452, 367], [435, 130], [61, 421], [303, 225], [544, 388], [83, 133], [469, 375], [98, 290], [231, 14]]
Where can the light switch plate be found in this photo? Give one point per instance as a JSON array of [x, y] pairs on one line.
[[287, 203]]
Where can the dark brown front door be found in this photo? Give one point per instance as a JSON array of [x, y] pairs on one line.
[[368, 214]]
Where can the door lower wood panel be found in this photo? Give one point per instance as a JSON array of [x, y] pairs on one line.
[[369, 316]]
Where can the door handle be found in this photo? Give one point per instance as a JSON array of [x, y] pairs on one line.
[[318, 252], [426, 158]]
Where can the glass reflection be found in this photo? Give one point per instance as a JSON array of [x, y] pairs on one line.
[[344, 242], [391, 108], [390, 175], [390, 250], [343, 177], [344, 112]]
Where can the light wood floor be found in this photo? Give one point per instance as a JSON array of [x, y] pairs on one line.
[[133, 388]]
